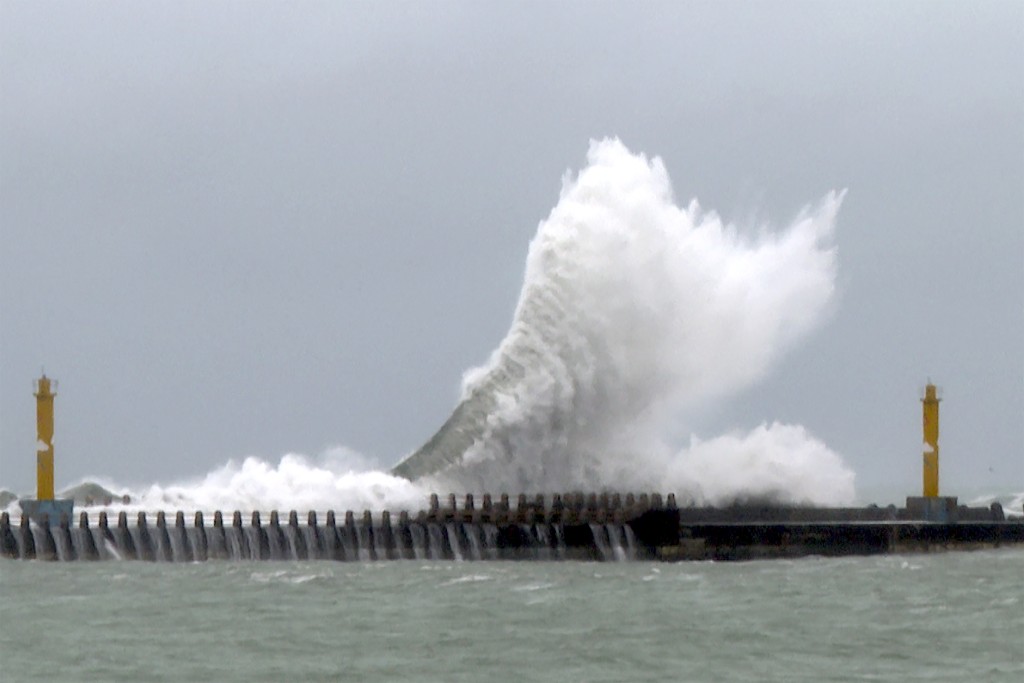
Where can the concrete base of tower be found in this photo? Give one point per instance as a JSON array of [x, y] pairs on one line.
[[933, 508], [51, 510]]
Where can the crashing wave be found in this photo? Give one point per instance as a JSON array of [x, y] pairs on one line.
[[633, 310]]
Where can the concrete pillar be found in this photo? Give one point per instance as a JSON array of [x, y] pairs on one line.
[[350, 529], [129, 549], [403, 537], [48, 549], [201, 549], [997, 512], [367, 525], [332, 543], [88, 550], [145, 549], [217, 539], [28, 541], [182, 534], [315, 536], [260, 547], [275, 537], [163, 538], [245, 549], [108, 536], [553, 512], [385, 540], [8, 543], [301, 551], [64, 529]]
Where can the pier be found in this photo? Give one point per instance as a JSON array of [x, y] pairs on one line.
[[572, 526]]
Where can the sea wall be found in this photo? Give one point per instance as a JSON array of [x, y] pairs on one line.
[[572, 526]]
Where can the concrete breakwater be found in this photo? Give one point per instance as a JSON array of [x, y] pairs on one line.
[[596, 527]]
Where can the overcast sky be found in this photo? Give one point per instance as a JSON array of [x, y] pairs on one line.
[[236, 229]]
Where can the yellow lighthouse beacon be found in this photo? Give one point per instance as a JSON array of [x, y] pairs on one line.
[[931, 442], [45, 506], [930, 506]]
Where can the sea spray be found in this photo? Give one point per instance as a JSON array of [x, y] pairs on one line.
[[633, 312], [296, 482], [338, 479], [772, 462]]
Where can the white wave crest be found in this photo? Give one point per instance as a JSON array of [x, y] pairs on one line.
[[633, 312], [339, 479]]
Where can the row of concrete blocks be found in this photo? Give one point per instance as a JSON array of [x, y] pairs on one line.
[[560, 507], [363, 541]]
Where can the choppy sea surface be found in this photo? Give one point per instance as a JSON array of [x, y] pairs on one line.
[[938, 617]]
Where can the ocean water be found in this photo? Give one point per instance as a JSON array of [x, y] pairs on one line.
[[938, 617]]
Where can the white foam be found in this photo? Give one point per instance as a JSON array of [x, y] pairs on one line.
[[634, 312], [771, 462], [338, 479]]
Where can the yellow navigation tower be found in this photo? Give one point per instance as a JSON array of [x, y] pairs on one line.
[[45, 506], [44, 439], [931, 442], [930, 506]]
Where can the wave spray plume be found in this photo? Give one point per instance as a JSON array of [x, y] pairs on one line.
[[633, 312]]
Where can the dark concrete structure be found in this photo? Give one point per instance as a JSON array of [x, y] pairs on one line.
[[567, 526]]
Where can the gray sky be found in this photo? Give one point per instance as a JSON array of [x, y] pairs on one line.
[[243, 228]]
